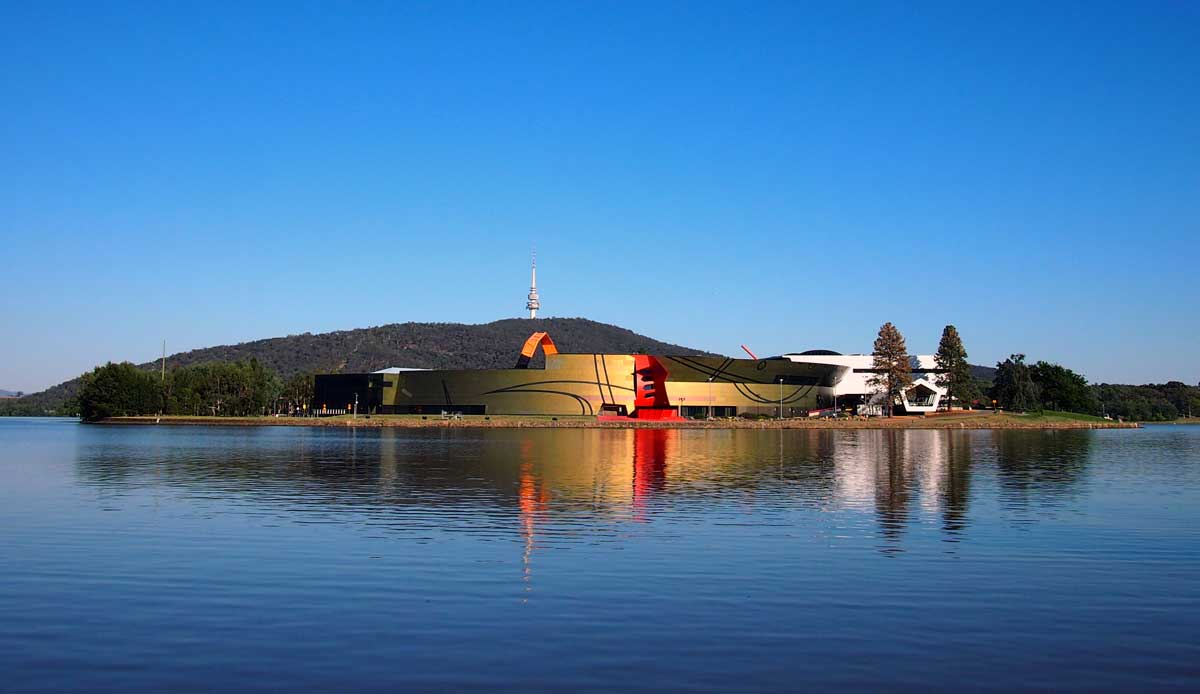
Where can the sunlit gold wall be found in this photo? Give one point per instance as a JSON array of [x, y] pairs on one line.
[[581, 384]]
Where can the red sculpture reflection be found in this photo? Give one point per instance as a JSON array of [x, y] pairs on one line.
[[650, 450]]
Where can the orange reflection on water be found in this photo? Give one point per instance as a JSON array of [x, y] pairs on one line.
[[533, 499]]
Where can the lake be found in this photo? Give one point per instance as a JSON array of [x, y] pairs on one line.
[[226, 558]]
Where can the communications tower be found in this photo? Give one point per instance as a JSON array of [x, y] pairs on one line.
[[533, 304]]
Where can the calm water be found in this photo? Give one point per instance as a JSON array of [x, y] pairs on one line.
[[172, 559]]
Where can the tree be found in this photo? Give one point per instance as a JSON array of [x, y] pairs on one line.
[[1014, 387], [951, 359], [298, 391], [68, 408], [118, 390], [1177, 393], [237, 389], [1060, 388], [893, 371]]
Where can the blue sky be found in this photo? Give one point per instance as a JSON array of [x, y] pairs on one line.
[[783, 175]]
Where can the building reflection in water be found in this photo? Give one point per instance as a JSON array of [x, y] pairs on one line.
[[884, 472], [647, 451], [558, 482]]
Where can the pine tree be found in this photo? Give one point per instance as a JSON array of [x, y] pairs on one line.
[[893, 371], [951, 359]]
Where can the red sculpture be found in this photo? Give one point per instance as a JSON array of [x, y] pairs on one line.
[[650, 399]]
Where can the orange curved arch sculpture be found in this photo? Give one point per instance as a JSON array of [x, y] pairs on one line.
[[531, 345]]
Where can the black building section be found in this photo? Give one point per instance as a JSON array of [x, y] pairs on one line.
[[433, 409], [334, 394], [338, 392]]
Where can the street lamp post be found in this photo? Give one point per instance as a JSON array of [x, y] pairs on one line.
[[710, 407], [781, 397], [356, 405]]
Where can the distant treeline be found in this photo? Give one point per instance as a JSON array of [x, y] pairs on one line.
[[1047, 386], [1161, 402], [233, 389]]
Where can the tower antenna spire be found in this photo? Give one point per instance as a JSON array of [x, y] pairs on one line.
[[533, 304]]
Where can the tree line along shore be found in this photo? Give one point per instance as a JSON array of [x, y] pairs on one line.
[[247, 389]]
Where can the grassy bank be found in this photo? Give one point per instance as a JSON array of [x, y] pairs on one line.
[[968, 420], [1049, 416]]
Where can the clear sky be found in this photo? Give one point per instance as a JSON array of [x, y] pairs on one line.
[[784, 175]]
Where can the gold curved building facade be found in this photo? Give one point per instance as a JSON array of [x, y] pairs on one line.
[[589, 385]]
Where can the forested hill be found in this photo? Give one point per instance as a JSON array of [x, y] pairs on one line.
[[427, 345], [986, 374], [417, 345]]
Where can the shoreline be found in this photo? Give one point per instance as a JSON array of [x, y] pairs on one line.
[[952, 421]]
